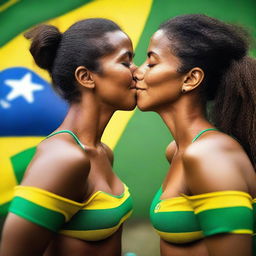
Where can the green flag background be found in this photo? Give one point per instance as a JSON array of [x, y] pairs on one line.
[[138, 139]]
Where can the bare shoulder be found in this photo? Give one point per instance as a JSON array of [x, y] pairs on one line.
[[59, 166], [214, 163], [109, 152], [170, 151]]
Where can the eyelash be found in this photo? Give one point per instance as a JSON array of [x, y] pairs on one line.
[[151, 65], [126, 64]]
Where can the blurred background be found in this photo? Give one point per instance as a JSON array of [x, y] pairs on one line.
[[30, 110]]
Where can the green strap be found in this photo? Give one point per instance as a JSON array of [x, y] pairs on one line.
[[71, 133], [203, 131]]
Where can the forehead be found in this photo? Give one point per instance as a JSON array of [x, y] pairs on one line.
[[161, 45], [159, 41], [119, 40]]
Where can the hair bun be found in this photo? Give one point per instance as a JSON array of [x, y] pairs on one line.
[[45, 42]]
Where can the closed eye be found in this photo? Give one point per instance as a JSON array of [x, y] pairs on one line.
[[151, 65], [126, 64]]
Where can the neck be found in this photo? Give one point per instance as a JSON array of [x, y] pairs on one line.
[[185, 119], [87, 119]]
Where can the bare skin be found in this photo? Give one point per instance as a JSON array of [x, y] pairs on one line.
[[214, 162], [62, 167]]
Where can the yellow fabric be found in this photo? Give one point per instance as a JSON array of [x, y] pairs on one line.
[[173, 204], [180, 238], [101, 200], [49, 200], [219, 199], [185, 215], [242, 231]]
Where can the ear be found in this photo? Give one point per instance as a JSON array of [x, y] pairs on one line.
[[83, 77], [192, 79]]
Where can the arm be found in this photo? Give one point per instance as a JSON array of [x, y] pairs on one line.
[[212, 166], [59, 168], [21, 237]]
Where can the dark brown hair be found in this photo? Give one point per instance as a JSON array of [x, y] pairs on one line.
[[60, 54]]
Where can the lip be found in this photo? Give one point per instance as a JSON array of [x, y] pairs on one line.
[[139, 86]]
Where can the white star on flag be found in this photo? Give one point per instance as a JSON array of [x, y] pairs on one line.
[[23, 87]]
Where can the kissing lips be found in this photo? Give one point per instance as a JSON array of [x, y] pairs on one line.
[[140, 88]]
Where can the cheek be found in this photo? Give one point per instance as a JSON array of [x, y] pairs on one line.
[[162, 86], [120, 76], [160, 74], [114, 89]]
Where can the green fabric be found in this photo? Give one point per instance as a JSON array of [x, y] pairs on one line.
[[254, 215], [98, 219], [224, 220], [254, 230], [37, 214], [69, 132], [211, 222], [203, 131], [173, 222]]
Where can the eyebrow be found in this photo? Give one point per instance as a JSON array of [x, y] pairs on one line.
[[152, 53], [129, 54]]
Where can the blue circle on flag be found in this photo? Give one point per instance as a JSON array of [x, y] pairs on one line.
[[28, 104]]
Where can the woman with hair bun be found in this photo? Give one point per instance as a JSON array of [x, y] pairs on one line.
[[70, 201], [206, 204]]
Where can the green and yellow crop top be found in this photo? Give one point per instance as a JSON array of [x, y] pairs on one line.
[[185, 219], [95, 219]]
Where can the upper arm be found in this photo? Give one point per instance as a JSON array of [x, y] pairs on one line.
[[170, 151], [59, 169], [213, 168], [21, 237]]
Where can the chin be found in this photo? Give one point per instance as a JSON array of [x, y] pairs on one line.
[[127, 106], [143, 107], [131, 107]]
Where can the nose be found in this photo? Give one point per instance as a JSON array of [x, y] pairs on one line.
[[133, 68], [139, 73]]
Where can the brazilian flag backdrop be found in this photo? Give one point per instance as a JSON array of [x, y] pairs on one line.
[[30, 110]]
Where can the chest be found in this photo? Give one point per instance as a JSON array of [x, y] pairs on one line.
[[100, 159], [174, 219], [101, 176], [100, 217], [175, 180]]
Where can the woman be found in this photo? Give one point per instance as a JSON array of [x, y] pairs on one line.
[[204, 206], [70, 201]]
